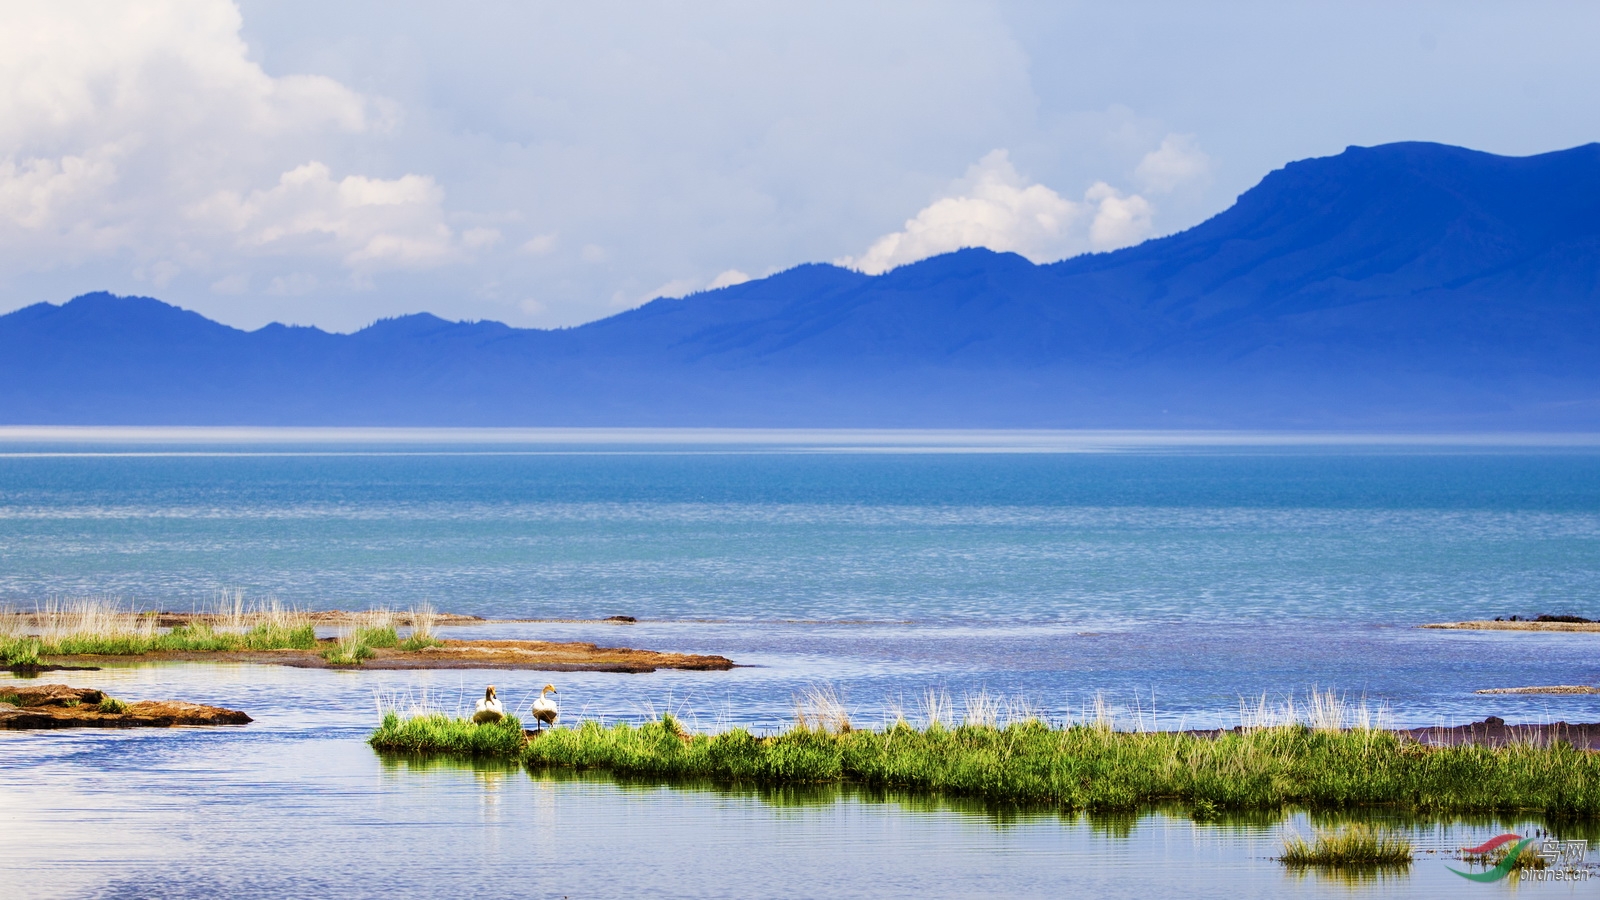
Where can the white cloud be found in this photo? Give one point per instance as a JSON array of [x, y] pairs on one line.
[[231, 284], [728, 279], [480, 238], [995, 207], [40, 193], [149, 143], [1178, 162], [1119, 221], [992, 207], [145, 132], [160, 273], [685, 137], [683, 287], [367, 222], [538, 245], [90, 73], [293, 285], [678, 287]]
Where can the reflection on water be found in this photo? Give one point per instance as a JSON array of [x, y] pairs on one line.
[[295, 805], [1393, 877]]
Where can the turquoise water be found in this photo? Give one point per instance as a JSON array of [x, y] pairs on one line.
[[1173, 536], [1183, 576], [1172, 579]]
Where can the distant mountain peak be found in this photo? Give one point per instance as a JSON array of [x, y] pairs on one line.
[[1407, 286], [411, 323]]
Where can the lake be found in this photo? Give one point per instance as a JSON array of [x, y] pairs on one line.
[[1173, 577]]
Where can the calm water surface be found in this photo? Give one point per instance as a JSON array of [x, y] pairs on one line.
[[294, 805], [1173, 581]]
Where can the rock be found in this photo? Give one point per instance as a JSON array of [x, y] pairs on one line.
[[166, 713], [1494, 720], [625, 620], [60, 706], [50, 695]]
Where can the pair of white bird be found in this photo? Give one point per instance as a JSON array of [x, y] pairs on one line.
[[545, 709]]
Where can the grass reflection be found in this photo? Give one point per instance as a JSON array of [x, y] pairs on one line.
[[399, 764], [1113, 824]]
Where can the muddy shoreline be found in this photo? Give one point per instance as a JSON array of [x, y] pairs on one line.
[[551, 656], [1520, 625], [1494, 732], [1551, 689]]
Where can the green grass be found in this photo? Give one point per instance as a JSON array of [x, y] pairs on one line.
[[96, 628], [347, 653], [190, 638], [356, 647], [380, 638], [202, 638], [419, 642], [442, 735], [19, 651], [281, 637], [110, 704], [1355, 846], [1082, 767]]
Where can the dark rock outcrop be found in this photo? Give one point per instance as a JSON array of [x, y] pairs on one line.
[[60, 706]]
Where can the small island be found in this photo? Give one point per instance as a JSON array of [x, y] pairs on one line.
[[1543, 622], [86, 635], [1486, 768], [331, 653]]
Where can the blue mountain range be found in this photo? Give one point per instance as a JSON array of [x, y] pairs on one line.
[[1406, 286]]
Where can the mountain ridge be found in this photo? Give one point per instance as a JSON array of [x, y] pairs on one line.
[[1408, 285]]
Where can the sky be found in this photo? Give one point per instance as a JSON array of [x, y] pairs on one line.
[[548, 164]]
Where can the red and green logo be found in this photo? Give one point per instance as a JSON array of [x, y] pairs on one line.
[[1506, 865]]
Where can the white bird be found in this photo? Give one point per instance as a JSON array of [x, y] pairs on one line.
[[544, 708], [489, 709]]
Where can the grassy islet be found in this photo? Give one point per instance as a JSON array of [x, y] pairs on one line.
[[1077, 767], [1355, 846]]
